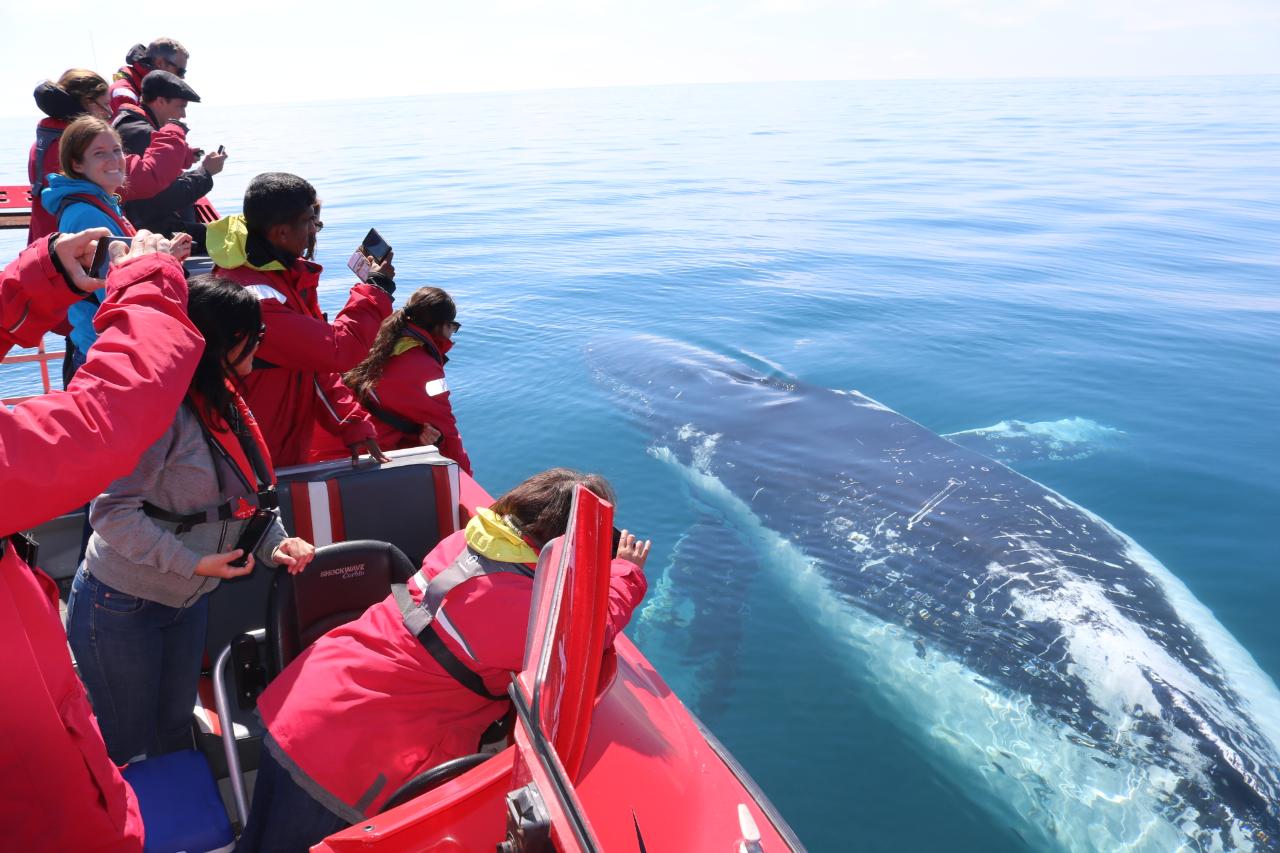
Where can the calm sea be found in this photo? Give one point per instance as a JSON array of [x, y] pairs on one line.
[[1088, 268]]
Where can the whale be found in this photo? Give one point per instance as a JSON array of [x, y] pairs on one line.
[[1063, 676]]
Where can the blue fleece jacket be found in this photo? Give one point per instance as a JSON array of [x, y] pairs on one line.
[[77, 216]]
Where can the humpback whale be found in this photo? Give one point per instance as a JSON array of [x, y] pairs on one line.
[[1070, 680]]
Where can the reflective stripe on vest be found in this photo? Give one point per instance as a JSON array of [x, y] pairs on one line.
[[418, 618]]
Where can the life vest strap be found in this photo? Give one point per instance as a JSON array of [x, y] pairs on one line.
[[375, 408], [225, 511], [443, 655], [418, 618], [45, 137]]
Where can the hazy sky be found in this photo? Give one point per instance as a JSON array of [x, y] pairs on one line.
[[269, 51]]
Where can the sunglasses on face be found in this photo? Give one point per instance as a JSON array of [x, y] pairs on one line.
[[455, 325]]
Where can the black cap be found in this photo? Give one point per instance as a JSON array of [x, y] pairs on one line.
[[162, 84]]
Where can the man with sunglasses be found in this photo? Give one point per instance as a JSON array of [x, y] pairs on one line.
[[295, 390], [164, 105], [163, 54]]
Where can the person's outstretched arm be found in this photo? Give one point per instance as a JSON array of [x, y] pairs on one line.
[[299, 342], [59, 450]]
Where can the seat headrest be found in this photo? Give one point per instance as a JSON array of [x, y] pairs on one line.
[[340, 583]]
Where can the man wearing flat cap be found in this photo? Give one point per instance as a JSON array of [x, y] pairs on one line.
[[164, 102]]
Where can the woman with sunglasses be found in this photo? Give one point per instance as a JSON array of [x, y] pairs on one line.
[[401, 382], [165, 535]]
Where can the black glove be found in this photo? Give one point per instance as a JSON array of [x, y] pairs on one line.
[[385, 282]]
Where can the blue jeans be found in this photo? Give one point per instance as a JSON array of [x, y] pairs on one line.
[[140, 662], [283, 817]]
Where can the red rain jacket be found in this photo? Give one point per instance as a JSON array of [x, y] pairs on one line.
[[413, 386], [366, 699], [146, 174], [126, 88], [58, 788], [300, 401]]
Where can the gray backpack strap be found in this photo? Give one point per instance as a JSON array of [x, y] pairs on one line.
[[45, 137]]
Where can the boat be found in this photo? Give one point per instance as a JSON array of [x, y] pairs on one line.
[[600, 754]]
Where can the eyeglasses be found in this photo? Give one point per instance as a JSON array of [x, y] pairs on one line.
[[180, 70], [455, 325], [262, 332]]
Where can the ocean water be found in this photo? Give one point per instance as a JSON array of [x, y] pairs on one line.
[[1077, 278]]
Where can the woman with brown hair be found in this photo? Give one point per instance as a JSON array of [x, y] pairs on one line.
[[85, 194], [371, 704], [401, 382], [78, 92]]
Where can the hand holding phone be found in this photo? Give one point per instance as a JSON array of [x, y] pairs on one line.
[[252, 535], [102, 257], [373, 255]]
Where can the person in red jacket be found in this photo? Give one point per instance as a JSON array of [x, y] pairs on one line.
[[163, 54], [79, 92], [296, 389], [401, 382], [375, 702], [58, 788]]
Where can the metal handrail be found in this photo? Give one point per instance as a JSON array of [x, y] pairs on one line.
[[41, 356], [223, 705]]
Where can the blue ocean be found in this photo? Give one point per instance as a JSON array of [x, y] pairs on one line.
[[1075, 278]]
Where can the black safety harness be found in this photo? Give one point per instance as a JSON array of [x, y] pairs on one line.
[[264, 497], [418, 618]]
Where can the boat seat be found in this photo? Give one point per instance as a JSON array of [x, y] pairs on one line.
[[412, 501], [180, 805], [340, 584]]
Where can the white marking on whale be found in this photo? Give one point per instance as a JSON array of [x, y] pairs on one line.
[[1017, 441]]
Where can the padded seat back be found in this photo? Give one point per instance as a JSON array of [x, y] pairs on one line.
[[343, 581], [412, 501]]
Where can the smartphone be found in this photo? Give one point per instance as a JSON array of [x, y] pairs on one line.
[[102, 256], [252, 535], [374, 246], [222, 150], [617, 537]]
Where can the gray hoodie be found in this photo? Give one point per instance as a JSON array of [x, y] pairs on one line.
[[143, 556]]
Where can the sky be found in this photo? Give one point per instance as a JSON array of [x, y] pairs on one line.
[[268, 52]]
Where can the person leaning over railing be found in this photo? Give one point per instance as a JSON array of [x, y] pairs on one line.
[[405, 687], [401, 382], [58, 788]]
